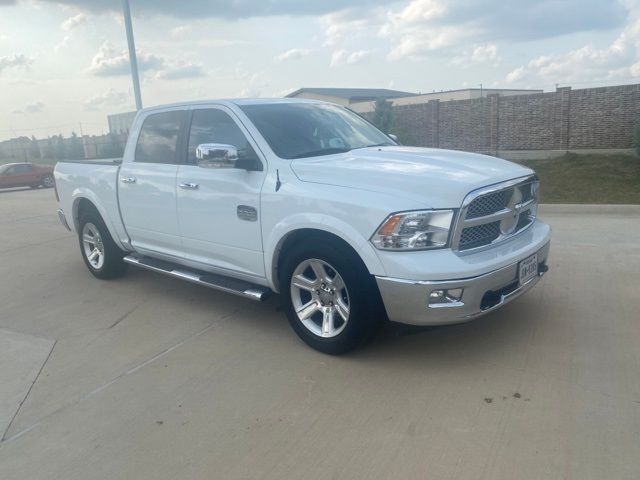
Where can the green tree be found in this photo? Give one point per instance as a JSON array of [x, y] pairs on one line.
[[383, 115], [75, 150]]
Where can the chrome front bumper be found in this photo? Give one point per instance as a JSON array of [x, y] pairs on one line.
[[407, 301]]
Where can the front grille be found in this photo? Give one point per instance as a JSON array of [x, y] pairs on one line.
[[508, 210], [487, 204], [479, 235]]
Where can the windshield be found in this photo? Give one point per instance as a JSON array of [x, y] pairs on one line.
[[297, 130]]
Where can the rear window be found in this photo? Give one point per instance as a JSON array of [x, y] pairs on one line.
[[158, 139]]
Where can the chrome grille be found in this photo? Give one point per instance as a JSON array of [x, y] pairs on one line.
[[487, 204], [493, 214], [479, 235]]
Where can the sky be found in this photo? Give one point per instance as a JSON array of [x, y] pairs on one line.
[[64, 65]]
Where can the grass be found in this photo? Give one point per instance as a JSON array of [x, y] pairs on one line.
[[592, 178]]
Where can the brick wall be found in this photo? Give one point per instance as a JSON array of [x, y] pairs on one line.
[[565, 119]]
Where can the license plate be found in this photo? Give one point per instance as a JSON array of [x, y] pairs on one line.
[[528, 269]]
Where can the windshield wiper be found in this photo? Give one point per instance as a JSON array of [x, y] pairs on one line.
[[325, 151], [385, 144]]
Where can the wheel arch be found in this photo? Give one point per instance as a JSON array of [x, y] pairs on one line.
[[360, 251], [83, 203]]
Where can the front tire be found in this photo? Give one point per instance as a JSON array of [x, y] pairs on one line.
[[331, 300], [101, 255]]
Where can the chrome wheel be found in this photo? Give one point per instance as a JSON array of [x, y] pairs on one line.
[[92, 245], [320, 298], [48, 181]]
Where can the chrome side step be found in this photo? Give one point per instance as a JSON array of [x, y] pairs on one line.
[[211, 280]]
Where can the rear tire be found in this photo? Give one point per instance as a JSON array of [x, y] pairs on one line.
[[100, 253], [331, 300]]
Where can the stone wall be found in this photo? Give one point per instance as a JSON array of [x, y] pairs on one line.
[[565, 119]]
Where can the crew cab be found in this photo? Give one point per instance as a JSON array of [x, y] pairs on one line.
[[309, 200]]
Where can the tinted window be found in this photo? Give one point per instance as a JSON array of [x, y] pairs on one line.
[[296, 130], [24, 168], [16, 169], [215, 126], [158, 139]]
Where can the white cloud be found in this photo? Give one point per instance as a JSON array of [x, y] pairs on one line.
[[73, 22], [620, 59], [180, 69], [253, 83], [478, 55], [345, 57], [293, 54], [348, 24], [180, 31], [109, 61], [485, 53], [421, 28], [249, 92], [110, 98], [35, 107], [15, 61]]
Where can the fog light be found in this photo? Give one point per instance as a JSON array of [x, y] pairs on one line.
[[445, 297]]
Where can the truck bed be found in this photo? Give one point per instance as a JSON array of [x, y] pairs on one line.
[[94, 180]]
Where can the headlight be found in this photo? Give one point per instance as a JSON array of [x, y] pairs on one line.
[[418, 230]]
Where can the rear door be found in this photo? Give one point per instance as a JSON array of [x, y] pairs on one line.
[[147, 184], [219, 205]]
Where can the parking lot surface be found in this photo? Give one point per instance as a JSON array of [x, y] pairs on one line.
[[147, 377]]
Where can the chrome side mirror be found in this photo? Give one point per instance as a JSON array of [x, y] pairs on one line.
[[393, 137], [216, 155]]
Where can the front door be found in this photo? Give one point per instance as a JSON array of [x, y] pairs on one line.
[[147, 185], [219, 205]]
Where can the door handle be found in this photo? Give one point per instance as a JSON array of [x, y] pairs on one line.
[[128, 179], [189, 186]]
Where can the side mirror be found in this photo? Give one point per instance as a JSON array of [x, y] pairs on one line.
[[393, 137], [216, 155]]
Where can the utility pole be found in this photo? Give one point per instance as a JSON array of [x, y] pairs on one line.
[[132, 54]]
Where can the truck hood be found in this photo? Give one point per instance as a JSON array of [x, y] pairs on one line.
[[433, 177]]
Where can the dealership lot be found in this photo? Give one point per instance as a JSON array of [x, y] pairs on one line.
[[149, 377]]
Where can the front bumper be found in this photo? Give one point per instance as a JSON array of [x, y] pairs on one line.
[[407, 301]]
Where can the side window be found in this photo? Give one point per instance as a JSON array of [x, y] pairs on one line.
[[212, 125], [24, 168], [158, 139]]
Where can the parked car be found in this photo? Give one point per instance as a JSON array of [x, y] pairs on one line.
[[26, 175], [309, 200]]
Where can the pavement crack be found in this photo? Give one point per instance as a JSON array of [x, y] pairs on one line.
[[4, 434], [123, 317]]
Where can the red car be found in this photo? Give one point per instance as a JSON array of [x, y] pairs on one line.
[[26, 175]]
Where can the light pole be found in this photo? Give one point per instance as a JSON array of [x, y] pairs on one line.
[[132, 53]]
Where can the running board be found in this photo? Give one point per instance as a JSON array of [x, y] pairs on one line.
[[211, 280]]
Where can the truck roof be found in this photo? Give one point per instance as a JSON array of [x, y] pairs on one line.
[[234, 101]]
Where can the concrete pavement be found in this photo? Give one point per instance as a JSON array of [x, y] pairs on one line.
[[147, 377]]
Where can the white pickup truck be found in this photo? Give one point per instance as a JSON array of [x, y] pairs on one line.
[[309, 200]]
